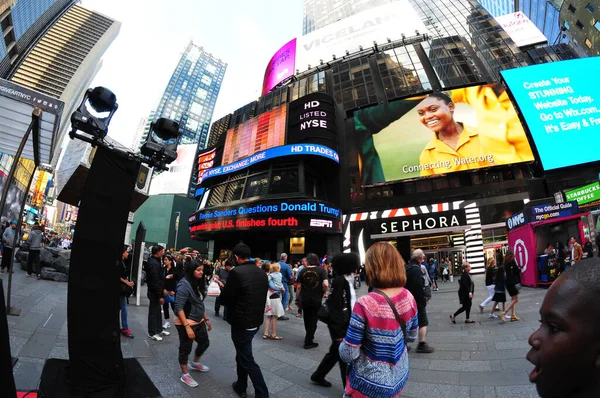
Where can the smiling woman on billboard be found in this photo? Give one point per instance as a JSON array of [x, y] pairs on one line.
[[451, 139], [463, 129]]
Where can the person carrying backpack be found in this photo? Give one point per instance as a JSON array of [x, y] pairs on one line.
[[312, 288]]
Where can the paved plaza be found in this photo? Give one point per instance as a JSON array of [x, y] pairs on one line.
[[482, 360]]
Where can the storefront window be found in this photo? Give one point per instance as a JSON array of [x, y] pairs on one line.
[[314, 187], [284, 181], [256, 185], [233, 191]]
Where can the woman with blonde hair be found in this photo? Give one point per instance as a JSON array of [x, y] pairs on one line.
[[273, 305], [381, 324]]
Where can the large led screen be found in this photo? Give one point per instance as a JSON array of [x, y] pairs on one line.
[[262, 132], [557, 101], [280, 67], [463, 129]]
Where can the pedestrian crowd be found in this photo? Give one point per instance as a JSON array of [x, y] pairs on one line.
[[370, 335]]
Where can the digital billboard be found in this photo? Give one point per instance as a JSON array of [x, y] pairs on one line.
[[177, 179], [463, 129], [280, 67], [521, 30], [557, 100], [257, 134], [377, 24], [312, 119], [206, 161], [300, 214], [281, 151]]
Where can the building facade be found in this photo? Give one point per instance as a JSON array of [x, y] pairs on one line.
[[190, 98], [141, 134], [320, 13], [23, 23], [191, 94], [581, 22], [63, 63], [457, 215]]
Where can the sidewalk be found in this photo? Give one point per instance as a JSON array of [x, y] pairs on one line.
[[482, 360]]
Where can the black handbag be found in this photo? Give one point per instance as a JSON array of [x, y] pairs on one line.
[[274, 296], [126, 291], [323, 313]]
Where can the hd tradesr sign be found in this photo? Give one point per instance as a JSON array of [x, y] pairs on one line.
[[267, 215]]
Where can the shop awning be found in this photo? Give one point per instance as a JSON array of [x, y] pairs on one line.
[[559, 220], [16, 106]]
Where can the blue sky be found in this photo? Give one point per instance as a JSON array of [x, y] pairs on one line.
[[154, 33]]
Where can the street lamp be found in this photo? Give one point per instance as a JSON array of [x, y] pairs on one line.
[[176, 227]]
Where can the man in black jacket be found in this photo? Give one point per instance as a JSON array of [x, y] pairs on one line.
[[245, 295], [414, 284], [156, 293]]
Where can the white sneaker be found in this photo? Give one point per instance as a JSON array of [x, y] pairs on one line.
[[187, 379], [199, 367], [492, 316], [165, 333], [156, 337], [166, 325]]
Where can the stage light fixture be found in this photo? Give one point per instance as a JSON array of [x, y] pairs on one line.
[[389, 40], [94, 114], [160, 147], [333, 56], [347, 52]]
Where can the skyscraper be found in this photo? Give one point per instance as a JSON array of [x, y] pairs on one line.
[[64, 61], [543, 13], [191, 94], [581, 22], [23, 23], [319, 13], [142, 130]]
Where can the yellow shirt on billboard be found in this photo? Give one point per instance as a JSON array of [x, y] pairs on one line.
[[500, 131], [439, 158]]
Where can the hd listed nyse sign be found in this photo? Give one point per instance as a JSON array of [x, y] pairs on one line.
[[312, 120]]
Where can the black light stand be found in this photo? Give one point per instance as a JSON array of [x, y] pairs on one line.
[[96, 367], [34, 127]]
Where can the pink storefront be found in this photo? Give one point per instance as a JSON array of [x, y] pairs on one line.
[[530, 233]]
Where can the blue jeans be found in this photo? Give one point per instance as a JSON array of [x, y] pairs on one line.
[[285, 298], [124, 324], [246, 365]]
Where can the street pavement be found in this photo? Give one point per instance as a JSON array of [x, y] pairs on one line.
[[481, 360]]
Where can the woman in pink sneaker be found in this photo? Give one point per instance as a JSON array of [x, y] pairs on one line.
[[192, 322]]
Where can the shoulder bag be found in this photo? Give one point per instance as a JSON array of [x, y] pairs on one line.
[[393, 307]]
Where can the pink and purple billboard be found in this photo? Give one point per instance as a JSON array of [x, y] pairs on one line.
[[280, 67]]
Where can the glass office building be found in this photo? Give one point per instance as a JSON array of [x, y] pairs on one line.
[[23, 23], [543, 13], [320, 13], [191, 94], [464, 47]]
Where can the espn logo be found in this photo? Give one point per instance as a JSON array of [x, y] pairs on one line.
[[321, 223]]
